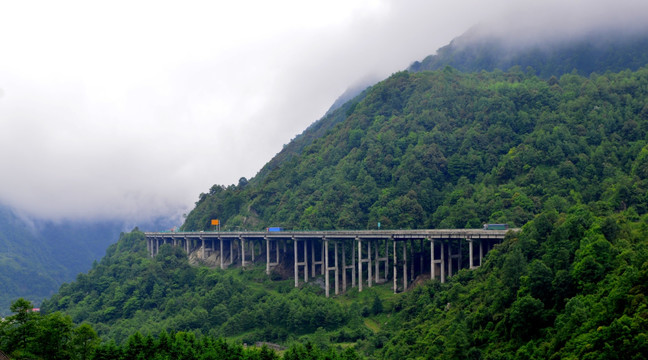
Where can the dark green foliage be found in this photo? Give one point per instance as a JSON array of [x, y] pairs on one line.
[[37, 257], [564, 158], [128, 292], [28, 335], [597, 51], [548, 315], [451, 150]]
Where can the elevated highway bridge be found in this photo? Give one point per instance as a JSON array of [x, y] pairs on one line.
[[356, 256]]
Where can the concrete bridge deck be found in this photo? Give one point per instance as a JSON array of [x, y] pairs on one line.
[[438, 252], [343, 234]]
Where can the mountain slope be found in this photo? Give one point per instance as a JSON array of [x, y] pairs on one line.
[[37, 256], [446, 149], [127, 291], [595, 51], [338, 113], [566, 156], [21, 261], [480, 49]]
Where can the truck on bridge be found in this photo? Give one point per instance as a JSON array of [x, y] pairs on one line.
[[496, 226]]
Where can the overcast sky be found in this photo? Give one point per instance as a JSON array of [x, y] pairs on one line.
[[131, 109]]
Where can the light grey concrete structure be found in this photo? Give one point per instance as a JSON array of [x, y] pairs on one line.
[[445, 252]]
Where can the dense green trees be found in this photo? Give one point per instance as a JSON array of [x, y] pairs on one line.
[[597, 51], [564, 158], [128, 292], [27, 335], [30, 335], [559, 290], [447, 149], [36, 256]]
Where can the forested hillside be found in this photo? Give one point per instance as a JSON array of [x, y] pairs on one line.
[[127, 292], [571, 286], [566, 158], [595, 51], [450, 149], [36, 256], [21, 261], [128, 296], [556, 143]]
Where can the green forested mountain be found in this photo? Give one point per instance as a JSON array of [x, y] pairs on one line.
[[450, 149], [127, 292], [37, 256], [594, 51], [21, 262], [566, 158], [571, 286], [478, 50], [564, 155]]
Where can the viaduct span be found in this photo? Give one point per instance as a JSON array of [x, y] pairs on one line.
[[361, 256]]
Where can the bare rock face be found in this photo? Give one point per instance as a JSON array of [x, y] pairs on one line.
[[212, 258]]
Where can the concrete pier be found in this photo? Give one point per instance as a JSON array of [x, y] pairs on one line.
[[298, 263]]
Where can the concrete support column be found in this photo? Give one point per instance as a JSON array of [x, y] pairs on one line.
[[267, 241], [369, 275], [404, 265], [202, 253], [252, 249], [443, 262], [433, 260], [470, 254], [449, 258], [353, 264], [432, 263], [459, 256], [452, 256], [359, 241], [337, 272], [411, 251], [376, 264], [242, 251], [420, 253], [305, 261], [296, 263], [344, 268], [312, 243], [314, 261], [231, 251], [481, 251], [395, 267], [221, 254], [157, 246], [323, 267], [326, 264], [386, 259]]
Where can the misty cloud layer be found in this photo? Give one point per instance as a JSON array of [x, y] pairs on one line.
[[129, 110]]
